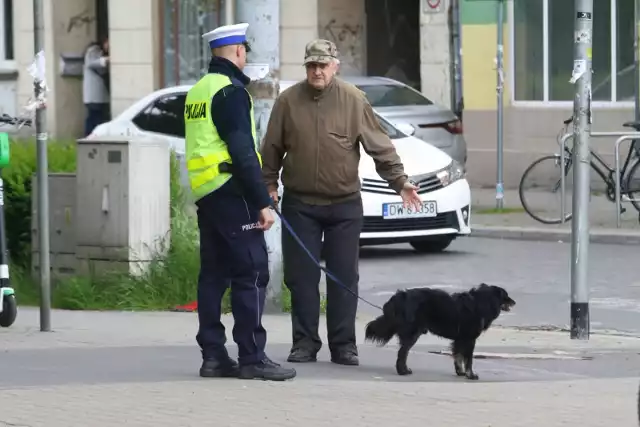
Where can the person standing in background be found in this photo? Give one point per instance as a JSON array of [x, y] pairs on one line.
[[96, 85]]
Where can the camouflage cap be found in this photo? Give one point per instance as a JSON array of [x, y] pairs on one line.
[[321, 51]]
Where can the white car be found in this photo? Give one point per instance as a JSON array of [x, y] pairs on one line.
[[442, 185]]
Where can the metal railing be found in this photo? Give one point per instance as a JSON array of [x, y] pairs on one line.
[[622, 137]]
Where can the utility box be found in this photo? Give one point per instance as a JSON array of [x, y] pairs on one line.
[[123, 202], [62, 225]]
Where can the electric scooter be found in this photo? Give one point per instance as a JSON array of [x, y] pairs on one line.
[[8, 303]]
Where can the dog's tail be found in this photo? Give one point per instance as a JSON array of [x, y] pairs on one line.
[[383, 328], [380, 330]]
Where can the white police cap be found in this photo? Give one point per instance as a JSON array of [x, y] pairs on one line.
[[227, 35]]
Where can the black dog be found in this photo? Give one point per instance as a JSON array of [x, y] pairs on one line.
[[460, 317]]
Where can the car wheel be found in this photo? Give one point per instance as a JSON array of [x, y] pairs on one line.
[[431, 246]]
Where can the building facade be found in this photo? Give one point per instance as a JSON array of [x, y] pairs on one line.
[[538, 55], [156, 43]]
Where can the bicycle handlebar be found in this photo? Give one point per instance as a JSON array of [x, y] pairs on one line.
[[9, 120], [568, 121]]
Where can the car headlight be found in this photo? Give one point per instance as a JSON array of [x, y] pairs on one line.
[[451, 173]]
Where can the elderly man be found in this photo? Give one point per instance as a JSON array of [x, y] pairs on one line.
[[319, 124]]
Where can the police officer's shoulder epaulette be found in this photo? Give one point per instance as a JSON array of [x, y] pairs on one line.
[[235, 84]]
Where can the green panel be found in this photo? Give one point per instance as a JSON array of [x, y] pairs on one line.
[[4, 150], [480, 12]]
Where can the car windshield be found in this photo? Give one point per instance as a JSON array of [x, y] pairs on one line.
[[389, 95], [390, 129]]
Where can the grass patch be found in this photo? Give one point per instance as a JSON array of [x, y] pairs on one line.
[[496, 211]]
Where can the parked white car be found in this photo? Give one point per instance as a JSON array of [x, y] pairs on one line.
[[442, 185]]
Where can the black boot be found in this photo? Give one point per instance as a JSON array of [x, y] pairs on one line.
[[266, 370], [301, 355], [214, 368], [346, 356]]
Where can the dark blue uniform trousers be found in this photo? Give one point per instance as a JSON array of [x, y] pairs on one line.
[[233, 253]]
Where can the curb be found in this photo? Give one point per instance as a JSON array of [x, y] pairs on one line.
[[607, 236]]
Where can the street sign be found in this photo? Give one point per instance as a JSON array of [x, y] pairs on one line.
[[432, 6]]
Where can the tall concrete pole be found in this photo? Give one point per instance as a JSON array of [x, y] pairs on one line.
[[229, 12], [263, 17], [500, 107], [43, 179], [581, 77], [457, 101]]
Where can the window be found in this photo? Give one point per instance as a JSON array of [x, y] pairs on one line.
[[186, 55], [392, 95], [542, 45], [165, 115], [6, 30]]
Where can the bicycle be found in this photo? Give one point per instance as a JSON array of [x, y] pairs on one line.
[[629, 175]]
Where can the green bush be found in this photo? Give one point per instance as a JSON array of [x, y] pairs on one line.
[[169, 281], [17, 179]]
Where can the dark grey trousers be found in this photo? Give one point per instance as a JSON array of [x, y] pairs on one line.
[[341, 224]]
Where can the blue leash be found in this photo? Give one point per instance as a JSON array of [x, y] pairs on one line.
[[316, 262]]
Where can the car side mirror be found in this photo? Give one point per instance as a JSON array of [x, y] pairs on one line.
[[405, 128]]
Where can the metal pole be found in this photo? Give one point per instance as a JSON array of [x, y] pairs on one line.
[[499, 90], [581, 77], [457, 100], [43, 180], [263, 17], [229, 12], [636, 56]]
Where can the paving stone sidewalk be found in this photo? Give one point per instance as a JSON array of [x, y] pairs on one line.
[[157, 353]]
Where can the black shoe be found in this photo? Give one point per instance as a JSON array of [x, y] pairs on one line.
[[213, 368], [301, 355], [266, 370], [345, 357], [270, 362]]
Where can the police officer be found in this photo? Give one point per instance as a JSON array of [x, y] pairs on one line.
[[224, 168]]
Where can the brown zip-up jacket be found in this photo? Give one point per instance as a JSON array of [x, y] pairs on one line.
[[320, 132]]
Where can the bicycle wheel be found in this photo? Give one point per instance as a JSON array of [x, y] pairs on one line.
[[632, 185], [540, 192]]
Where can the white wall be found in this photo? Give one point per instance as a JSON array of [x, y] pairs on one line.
[[434, 53], [69, 26], [343, 22], [8, 74], [298, 26], [134, 40]]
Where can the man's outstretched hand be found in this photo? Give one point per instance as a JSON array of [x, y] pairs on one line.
[[410, 196]]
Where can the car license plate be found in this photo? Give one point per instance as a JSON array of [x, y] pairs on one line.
[[398, 211]]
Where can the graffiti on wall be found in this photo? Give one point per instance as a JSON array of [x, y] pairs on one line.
[[83, 20], [348, 39]]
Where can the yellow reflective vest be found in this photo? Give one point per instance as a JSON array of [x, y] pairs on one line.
[[205, 150]]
